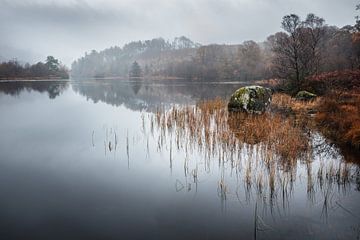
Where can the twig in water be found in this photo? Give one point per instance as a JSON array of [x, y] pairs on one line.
[[346, 210]]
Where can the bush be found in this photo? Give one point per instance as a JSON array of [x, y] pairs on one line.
[[338, 80], [339, 117]]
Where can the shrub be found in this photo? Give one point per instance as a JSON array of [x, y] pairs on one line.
[[338, 80], [339, 117]]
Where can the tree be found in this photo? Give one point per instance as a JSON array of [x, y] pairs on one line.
[[297, 51], [13, 69], [289, 47], [135, 70], [249, 58], [338, 53], [313, 33], [356, 38], [52, 64], [357, 18]]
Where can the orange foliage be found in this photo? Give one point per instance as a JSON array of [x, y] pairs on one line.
[[339, 116], [337, 80]]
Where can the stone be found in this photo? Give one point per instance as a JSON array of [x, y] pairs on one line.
[[305, 96], [250, 99]]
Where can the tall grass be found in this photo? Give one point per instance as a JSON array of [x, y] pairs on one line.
[[263, 150], [210, 127]]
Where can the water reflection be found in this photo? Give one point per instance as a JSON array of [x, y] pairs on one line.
[[267, 152], [51, 87], [131, 166], [149, 94], [265, 166]]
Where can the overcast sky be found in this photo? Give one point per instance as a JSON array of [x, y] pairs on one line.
[[68, 28]]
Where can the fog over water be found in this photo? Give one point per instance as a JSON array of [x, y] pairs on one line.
[[30, 30]]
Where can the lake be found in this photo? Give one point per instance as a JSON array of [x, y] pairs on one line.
[[88, 160]]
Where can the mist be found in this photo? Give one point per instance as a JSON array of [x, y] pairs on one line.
[[31, 30]]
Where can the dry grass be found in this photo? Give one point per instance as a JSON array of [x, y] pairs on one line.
[[265, 150], [337, 114], [339, 117], [278, 133], [284, 102], [210, 126]]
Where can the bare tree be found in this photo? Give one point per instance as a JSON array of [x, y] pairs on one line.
[[297, 51], [313, 33]]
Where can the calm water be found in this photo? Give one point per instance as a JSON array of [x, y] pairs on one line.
[[84, 160]]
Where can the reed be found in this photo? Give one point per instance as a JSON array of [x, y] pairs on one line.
[[266, 149]]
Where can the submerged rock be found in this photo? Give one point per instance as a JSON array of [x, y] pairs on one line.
[[250, 99], [305, 96]]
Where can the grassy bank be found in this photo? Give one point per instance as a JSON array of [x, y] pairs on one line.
[[336, 111], [339, 117]]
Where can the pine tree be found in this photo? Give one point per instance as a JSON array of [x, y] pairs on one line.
[[135, 70]]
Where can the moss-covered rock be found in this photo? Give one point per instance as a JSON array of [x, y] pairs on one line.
[[251, 99], [305, 96]]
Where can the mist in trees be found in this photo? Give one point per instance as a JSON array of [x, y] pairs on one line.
[[52, 68], [310, 47], [151, 55], [306, 47], [135, 71], [182, 58]]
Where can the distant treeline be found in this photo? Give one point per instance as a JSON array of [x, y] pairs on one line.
[[305, 48], [52, 68], [153, 56]]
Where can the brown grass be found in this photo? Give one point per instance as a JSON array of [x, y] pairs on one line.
[[265, 150], [209, 125], [339, 117], [273, 130], [337, 114], [284, 102]]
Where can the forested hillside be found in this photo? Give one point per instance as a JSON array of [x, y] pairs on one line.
[[182, 58], [305, 47], [152, 55]]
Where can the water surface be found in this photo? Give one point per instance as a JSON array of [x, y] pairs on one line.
[[84, 160]]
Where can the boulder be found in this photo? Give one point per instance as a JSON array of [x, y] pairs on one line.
[[305, 96], [250, 99]]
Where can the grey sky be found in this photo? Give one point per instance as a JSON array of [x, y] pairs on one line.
[[68, 28]]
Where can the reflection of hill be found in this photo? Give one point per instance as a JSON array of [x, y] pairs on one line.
[[53, 88], [148, 95]]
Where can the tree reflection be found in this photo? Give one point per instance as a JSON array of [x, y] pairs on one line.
[[53, 88], [148, 95]]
